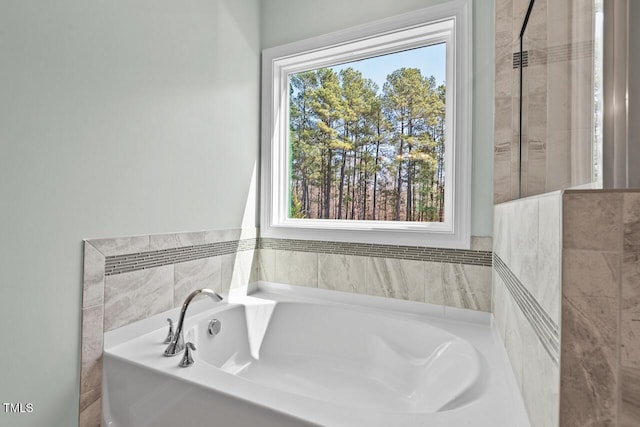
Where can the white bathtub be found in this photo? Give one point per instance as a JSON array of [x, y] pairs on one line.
[[286, 359]]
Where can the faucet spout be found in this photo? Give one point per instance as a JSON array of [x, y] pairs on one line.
[[177, 343]]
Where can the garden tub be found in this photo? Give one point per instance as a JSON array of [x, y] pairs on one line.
[[288, 356]]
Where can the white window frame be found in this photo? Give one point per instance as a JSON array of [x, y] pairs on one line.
[[449, 22]]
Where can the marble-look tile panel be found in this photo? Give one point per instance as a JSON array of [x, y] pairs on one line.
[[589, 361], [239, 269], [479, 279], [140, 261], [558, 32], [467, 286], [537, 76], [395, 278], [590, 274], [222, 235], [516, 168], [630, 311], [121, 245], [631, 219], [583, 23], [581, 157], [519, 11], [129, 297], [344, 273], [559, 90], [540, 381], [523, 233], [502, 217], [481, 243], [196, 274], [537, 98], [93, 277], [548, 288], [546, 329], [175, 240], [503, 112], [558, 160], [504, 15], [499, 301], [592, 220], [538, 20], [536, 163], [514, 322], [267, 265], [503, 63], [502, 167], [630, 397], [91, 365], [504, 69], [297, 268], [91, 416], [433, 283]]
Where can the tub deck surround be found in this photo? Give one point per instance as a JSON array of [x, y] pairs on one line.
[[114, 294], [130, 278], [350, 360]]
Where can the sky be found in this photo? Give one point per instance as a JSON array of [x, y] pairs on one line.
[[430, 60]]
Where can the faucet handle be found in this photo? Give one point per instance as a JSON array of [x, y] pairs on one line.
[[187, 359], [169, 337]]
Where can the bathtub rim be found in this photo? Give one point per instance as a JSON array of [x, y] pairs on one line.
[[299, 293], [458, 317]]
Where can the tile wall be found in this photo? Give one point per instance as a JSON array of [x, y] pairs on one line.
[[557, 97], [570, 262], [526, 298], [601, 309], [131, 278], [447, 277]]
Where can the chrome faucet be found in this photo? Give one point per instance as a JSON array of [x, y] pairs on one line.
[[176, 344]]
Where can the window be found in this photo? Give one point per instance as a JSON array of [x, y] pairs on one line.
[[366, 133]]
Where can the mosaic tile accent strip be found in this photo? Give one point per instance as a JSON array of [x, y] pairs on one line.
[[118, 264], [545, 328], [561, 53], [516, 59], [451, 256]]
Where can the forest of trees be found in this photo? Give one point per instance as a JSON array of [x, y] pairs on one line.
[[358, 152]]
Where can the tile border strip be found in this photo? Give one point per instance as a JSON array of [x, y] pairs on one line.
[[545, 328], [117, 264], [418, 253], [552, 54], [126, 263]]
